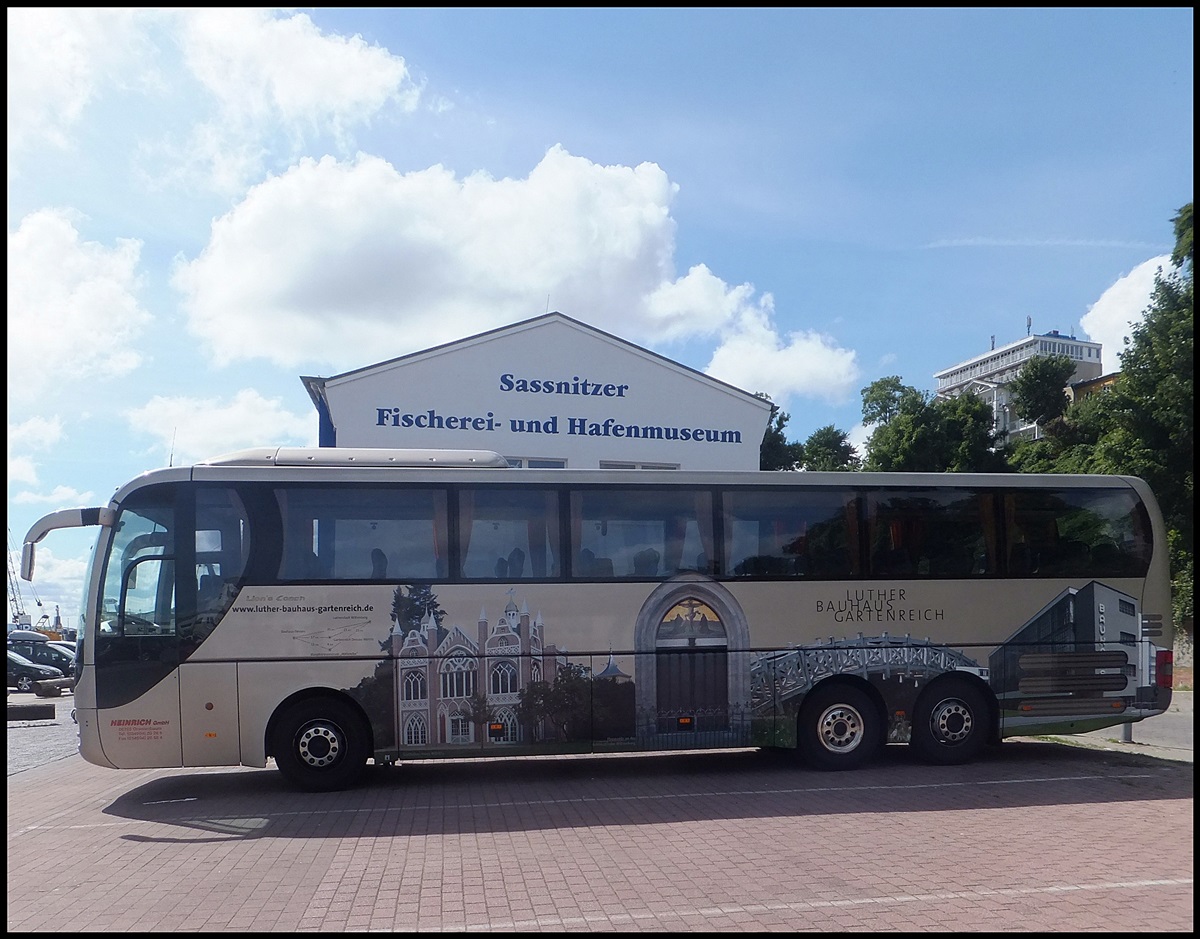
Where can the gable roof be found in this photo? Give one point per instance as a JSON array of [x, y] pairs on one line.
[[316, 385]]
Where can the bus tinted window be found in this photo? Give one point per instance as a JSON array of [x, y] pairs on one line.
[[791, 533], [363, 533], [930, 533], [139, 580], [509, 533], [222, 547], [642, 533], [1077, 533]]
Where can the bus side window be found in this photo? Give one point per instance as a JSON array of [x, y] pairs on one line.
[[1070, 559], [208, 592], [508, 533], [1107, 560], [329, 532], [646, 533], [645, 563], [1022, 560]]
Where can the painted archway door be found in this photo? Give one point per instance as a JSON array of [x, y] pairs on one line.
[[691, 669], [692, 666]]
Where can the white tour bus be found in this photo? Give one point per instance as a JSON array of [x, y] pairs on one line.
[[328, 607]]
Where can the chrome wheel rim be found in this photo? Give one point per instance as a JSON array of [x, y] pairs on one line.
[[840, 728], [951, 722], [319, 745]]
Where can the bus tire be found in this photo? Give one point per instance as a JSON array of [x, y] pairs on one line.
[[321, 745], [950, 722], [839, 727]]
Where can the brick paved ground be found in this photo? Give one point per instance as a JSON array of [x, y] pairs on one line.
[[1038, 836]]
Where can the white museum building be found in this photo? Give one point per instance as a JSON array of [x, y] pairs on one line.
[[550, 391]]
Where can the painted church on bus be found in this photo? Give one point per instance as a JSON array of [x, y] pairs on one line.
[[448, 683]]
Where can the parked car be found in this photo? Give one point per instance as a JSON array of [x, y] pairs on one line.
[[67, 646], [36, 635], [22, 673], [44, 652]]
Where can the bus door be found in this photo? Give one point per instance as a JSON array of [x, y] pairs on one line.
[[136, 647], [210, 574]]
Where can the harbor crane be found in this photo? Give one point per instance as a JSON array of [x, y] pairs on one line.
[[20, 618]]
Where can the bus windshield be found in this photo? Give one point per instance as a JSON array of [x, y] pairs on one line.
[[138, 590]]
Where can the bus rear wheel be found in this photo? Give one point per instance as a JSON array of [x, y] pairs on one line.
[[321, 745], [839, 728], [950, 723]]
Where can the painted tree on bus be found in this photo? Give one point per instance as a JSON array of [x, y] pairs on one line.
[[613, 709], [558, 710], [479, 712], [412, 603]]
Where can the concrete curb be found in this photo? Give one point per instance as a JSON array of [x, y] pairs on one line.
[[31, 712]]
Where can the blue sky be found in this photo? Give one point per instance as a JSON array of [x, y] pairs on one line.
[[204, 205]]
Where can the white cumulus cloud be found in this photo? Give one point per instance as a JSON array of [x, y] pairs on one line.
[[69, 301], [262, 67], [345, 262], [1110, 319], [341, 263], [59, 60], [267, 73], [753, 356], [190, 429]]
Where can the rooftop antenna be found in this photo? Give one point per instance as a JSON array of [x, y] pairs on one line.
[[171, 455], [1028, 325], [547, 303], [993, 342]]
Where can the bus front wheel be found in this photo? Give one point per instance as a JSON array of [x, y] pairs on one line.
[[321, 745], [950, 722], [839, 727]]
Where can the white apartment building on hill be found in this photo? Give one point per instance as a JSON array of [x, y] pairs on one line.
[[988, 375]]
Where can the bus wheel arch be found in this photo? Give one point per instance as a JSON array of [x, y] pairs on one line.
[[841, 724], [954, 719], [320, 740]]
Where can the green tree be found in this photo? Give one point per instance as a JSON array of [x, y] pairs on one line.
[[918, 433], [1152, 408], [1039, 390], [1069, 445], [886, 398], [1035, 456], [968, 435], [1181, 257], [775, 453], [828, 448], [904, 438]]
